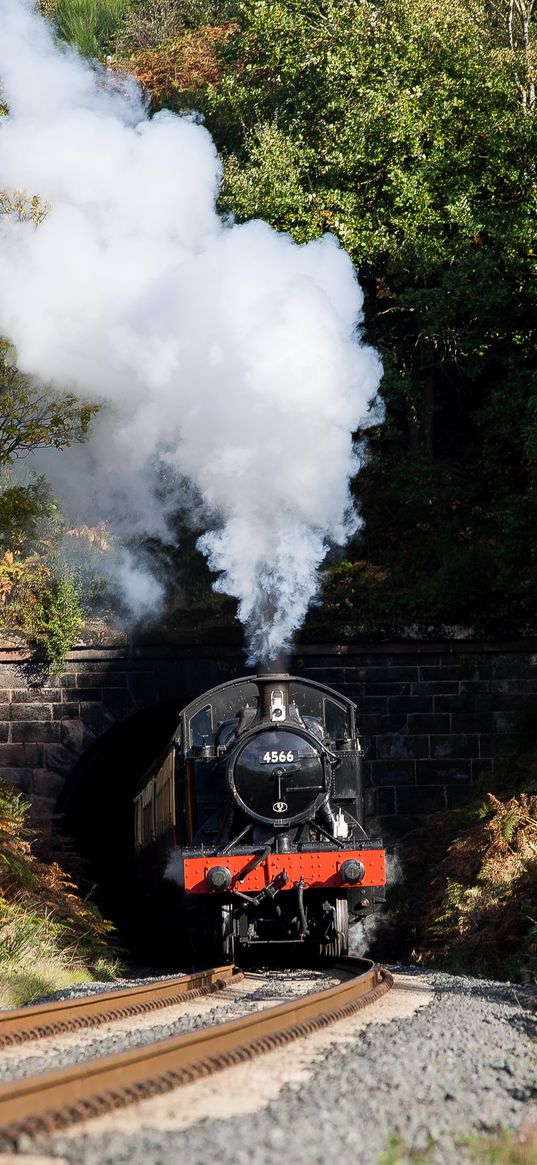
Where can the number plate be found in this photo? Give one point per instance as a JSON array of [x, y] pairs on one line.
[[278, 757]]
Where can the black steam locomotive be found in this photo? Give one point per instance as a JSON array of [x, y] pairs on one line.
[[254, 816]]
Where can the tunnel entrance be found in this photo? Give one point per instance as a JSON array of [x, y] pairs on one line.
[[97, 813]]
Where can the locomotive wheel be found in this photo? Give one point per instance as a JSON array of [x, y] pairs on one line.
[[339, 943]]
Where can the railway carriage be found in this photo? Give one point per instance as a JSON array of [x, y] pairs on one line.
[[253, 817]]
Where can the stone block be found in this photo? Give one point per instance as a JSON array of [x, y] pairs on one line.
[[4, 731], [388, 689], [408, 658], [36, 695], [354, 692], [99, 666], [482, 771], [471, 722], [455, 745], [426, 799], [476, 687], [144, 689], [391, 675], [48, 784], [424, 723], [59, 759], [36, 730], [110, 679], [325, 675], [66, 711], [386, 802], [402, 747], [461, 703], [439, 772], [119, 703], [500, 702], [374, 705], [21, 755], [380, 725], [96, 718], [505, 721], [512, 665], [458, 796], [451, 672], [436, 688], [354, 675], [21, 778], [485, 703], [31, 711], [72, 694], [410, 704], [393, 772], [68, 680], [370, 802], [497, 744], [76, 735]]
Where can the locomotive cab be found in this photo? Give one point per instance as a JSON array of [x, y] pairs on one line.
[[258, 814]]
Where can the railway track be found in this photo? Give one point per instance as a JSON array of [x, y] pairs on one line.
[[54, 1100], [52, 1019]]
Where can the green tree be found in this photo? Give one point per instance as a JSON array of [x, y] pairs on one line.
[[408, 129], [33, 416], [37, 594]]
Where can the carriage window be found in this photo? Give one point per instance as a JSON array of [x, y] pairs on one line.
[[201, 727], [336, 721]]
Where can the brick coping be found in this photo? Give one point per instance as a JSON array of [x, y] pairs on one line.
[[11, 653]]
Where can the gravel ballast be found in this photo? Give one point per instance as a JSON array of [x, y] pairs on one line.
[[464, 1064]]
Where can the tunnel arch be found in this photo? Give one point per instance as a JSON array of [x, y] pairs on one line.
[[95, 807]]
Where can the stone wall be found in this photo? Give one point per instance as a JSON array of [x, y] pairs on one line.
[[435, 718]]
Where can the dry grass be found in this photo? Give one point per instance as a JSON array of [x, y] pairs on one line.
[[49, 936], [185, 64]]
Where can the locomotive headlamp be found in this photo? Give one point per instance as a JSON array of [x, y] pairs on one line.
[[352, 871], [277, 706], [218, 878]]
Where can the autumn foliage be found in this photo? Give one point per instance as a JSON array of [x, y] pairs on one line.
[[186, 64], [470, 895]]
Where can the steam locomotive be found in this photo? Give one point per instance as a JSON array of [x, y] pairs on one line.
[[253, 816]]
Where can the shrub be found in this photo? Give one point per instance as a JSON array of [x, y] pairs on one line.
[[89, 24], [149, 24], [49, 937]]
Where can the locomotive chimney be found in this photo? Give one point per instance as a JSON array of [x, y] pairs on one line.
[[273, 691]]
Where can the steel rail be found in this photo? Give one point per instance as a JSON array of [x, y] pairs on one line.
[[50, 1019], [53, 1100]]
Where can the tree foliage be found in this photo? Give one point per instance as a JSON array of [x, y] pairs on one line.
[[408, 128], [33, 416]]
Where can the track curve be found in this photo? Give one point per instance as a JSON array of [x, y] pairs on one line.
[[54, 1100]]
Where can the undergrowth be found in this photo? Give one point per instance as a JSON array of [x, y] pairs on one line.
[[49, 936], [469, 901]]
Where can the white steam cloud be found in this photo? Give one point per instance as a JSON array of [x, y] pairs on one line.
[[224, 354]]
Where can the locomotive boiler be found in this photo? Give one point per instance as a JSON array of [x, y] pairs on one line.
[[253, 817]]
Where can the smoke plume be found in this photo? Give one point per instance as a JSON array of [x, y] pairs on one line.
[[222, 353]]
